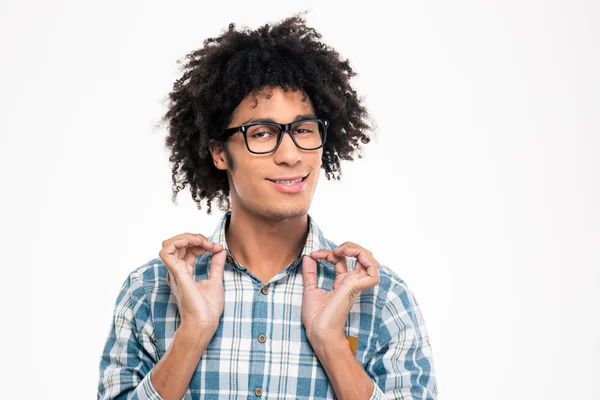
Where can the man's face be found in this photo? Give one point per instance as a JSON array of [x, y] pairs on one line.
[[251, 179]]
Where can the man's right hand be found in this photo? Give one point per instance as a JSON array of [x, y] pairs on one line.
[[201, 303]]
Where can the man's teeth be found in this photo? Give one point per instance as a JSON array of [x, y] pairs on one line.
[[289, 182]]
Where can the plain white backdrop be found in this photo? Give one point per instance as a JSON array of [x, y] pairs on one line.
[[480, 189]]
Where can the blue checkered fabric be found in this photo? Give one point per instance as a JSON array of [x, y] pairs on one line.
[[393, 344]]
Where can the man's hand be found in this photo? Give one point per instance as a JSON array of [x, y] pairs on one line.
[[324, 313], [201, 303]]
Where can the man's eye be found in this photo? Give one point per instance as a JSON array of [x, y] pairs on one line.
[[261, 135], [302, 130]]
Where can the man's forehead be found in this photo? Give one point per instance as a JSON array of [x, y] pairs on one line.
[[266, 103], [266, 96]]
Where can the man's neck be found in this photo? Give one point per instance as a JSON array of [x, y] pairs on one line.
[[265, 246]]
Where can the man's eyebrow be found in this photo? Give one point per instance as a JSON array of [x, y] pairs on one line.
[[298, 118]]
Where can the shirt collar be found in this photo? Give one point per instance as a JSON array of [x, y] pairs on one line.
[[314, 240]]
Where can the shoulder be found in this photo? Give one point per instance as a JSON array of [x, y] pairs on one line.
[[393, 293], [147, 280]]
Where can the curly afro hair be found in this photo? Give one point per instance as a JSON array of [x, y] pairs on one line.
[[217, 77]]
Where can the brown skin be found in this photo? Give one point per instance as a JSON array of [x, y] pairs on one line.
[[268, 228]]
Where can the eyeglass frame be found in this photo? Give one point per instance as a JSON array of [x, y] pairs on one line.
[[283, 128]]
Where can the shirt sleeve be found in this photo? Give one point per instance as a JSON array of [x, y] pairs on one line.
[[129, 353], [402, 365]]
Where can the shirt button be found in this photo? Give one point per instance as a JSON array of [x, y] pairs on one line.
[[262, 338], [230, 259], [264, 290], [258, 392]]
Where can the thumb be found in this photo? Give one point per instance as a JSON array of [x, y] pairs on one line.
[[309, 273], [217, 265]]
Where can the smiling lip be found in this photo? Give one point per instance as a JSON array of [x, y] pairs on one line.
[[295, 188], [291, 178]]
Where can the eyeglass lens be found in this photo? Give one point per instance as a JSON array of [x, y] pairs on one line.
[[307, 134]]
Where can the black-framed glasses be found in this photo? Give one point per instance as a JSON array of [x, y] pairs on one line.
[[265, 137]]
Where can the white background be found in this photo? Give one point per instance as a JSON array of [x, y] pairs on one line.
[[481, 189]]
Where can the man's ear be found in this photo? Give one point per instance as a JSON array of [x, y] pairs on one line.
[[217, 151]]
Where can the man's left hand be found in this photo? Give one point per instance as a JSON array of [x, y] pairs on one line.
[[324, 313]]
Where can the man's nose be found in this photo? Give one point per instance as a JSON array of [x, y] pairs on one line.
[[287, 152]]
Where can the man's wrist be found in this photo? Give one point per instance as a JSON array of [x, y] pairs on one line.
[[323, 345], [193, 338], [344, 371], [171, 376]]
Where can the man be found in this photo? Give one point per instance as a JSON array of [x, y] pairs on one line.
[[266, 306]]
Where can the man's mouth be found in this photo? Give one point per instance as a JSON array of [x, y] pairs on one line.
[[289, 180], [292, 184]]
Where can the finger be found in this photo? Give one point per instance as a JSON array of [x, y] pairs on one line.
[[186, 287], [184, 235], [192, 252], [207, 244], [365, 282], [187, 247], [365, 261], [369, 280], [326, 254], [181, 284], [217, 266], [174, 246], [309, 273], [363, 256], [182, 246], [175, 265], [186, 240], [172, 282], [340, 264], [340, 249], [173, 286], [176, 237], [169, 280], [190, 257]]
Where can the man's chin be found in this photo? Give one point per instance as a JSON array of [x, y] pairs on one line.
[[282, 213]]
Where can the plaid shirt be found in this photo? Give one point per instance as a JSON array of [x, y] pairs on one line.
[[393, 346]]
